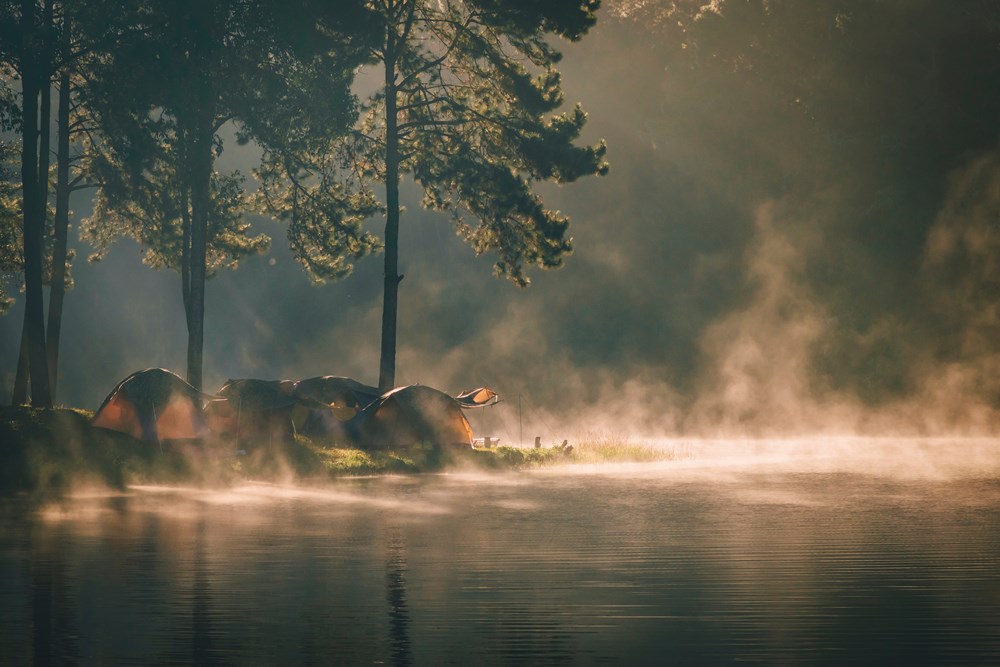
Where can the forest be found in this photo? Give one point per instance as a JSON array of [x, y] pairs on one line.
[[796, 232], [127, 101]]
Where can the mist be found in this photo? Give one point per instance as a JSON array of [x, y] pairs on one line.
[[798, 235]]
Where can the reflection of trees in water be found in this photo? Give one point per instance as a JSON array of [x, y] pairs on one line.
[[467, 595], [190, 633], [395, 584], [203, 648], [54, 635]]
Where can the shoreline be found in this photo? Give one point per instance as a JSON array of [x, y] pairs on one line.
[[46, 452]]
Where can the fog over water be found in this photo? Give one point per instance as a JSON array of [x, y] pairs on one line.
[[709, 559], [797, 235]]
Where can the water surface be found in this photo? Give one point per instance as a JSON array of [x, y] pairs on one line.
[[777, 554]]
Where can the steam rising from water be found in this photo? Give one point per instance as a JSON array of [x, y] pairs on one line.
[[728, 465], [932, 459]]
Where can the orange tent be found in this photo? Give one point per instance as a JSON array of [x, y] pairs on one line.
[[154, 405], [257, 409], [409, 415], [328, 401], [483, 397]]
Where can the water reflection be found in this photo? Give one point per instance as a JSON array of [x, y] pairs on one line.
[[395, 584], [779, 567], [53, 634], [204, 649]]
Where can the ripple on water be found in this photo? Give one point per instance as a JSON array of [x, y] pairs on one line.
[[800, 566]]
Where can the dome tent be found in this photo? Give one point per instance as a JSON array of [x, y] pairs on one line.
[[328, 401], [409, 415], [153, 405], [255, 409]]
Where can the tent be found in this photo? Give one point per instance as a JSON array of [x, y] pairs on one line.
[[409, 415], [482, 397], [257, 409], [328, 401], [153, 405]]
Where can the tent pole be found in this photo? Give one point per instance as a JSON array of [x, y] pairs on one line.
[[160, 444], [520, 424], [239, 415]]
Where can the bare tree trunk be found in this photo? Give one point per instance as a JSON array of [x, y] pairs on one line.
[[186, 254], [390, 293], [33, 209], [20, 392], [45, 117], [201, 181], [57, 289], [19, 395]]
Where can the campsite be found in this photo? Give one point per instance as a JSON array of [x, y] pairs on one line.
[[499, 332], [155, 405], [155, 427]]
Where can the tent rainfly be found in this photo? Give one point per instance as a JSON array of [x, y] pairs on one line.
[[328, 401], [257, 409], [409, 415], [153, 405], [482, 397]]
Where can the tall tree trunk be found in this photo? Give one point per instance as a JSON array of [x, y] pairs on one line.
[[186, 254], [32, 209], [45, 117], [201, 182], [20, 392], [19, 395], [390, 293], [57, 289]]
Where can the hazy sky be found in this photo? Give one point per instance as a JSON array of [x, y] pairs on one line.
[[798, 233]]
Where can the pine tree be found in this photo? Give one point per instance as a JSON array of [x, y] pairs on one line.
[[27, 52], [469, 107], [180, 72]]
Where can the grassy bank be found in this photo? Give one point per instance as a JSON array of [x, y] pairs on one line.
[[614, 448], [49, 451]]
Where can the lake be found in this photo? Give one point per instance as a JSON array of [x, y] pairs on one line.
[[783, 552]]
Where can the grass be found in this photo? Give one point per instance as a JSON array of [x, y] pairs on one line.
[[46, 452], [350, 461], [613, 448], [518, 458]]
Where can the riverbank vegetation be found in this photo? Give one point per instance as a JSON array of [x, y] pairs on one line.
[[51, 451], [613, 447]]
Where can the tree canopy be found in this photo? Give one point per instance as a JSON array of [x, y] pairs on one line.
[[469, 105], [177, 74]]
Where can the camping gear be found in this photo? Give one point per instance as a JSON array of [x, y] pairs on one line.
[[410, 415], [483, 397], [254, 409], [328, 401], [153, 405]]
